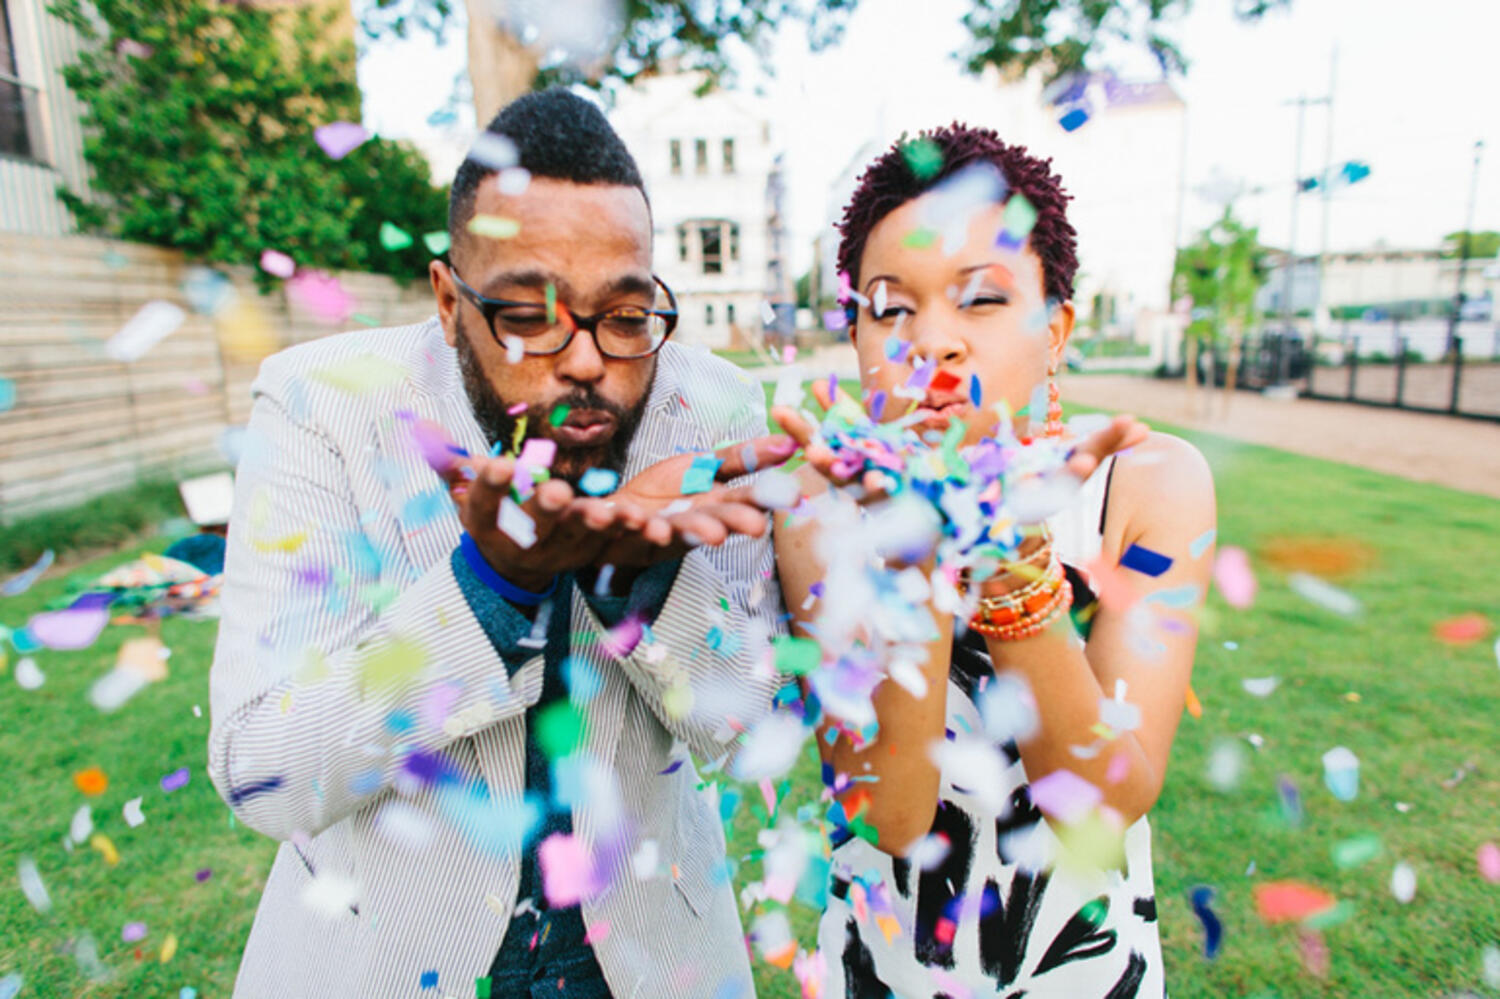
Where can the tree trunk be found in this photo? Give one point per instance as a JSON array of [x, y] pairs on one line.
[[1236, 345], [500, 67], [1190, 372]]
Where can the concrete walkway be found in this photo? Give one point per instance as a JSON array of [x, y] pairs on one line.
[[1450, 451]]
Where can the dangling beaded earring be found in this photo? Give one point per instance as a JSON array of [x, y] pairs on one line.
[[1054, 428]]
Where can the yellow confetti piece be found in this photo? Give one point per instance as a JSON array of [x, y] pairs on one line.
[[391, 663], [494, 226], [358, 375], [244, 334], [290, 543], [169, 948], [106, 848], [1194, 706], [286, 703], [518, 436], [677, 700]]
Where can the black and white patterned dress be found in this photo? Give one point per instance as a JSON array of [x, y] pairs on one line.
[[995, 917]]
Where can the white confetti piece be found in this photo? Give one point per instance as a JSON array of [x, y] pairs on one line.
[[132, 813], [770, 747], [148, 327], [767, 313], [1403, 883], [33, 887], [646, 861], [517, 523], [1324, 594], [514, 181], [330, 896], [29, 675], [1008, 708], [1341, 773], [82, 824], [493, 150], [1226, 765], [1261, 686]]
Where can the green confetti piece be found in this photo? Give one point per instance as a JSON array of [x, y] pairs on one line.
[[437, 242], [393, 237], [494, 226], [558, 415], [796, 656], [1350, 853], [482, 988], [1020, 217], [920, 239], [551, 304], [360, 317], [924, 157], [1340, 913], [360, 374], [559, 729]]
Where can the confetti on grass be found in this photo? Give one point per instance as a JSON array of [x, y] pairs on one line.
[[1213, 930]]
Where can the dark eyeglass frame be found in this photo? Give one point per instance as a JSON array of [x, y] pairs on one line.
[[488, 307]]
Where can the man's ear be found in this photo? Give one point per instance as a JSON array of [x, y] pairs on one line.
[[446, 293], [1059, 329]]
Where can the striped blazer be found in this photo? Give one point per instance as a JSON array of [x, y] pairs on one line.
[[346, 647]]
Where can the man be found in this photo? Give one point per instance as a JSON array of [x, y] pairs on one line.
[[464, 704]]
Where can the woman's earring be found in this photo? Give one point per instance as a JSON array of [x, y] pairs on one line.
[[1054, 427]]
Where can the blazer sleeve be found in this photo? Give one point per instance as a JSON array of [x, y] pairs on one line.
[[319, 699], [703, 666]]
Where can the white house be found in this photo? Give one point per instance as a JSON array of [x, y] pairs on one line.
[[713, 173]]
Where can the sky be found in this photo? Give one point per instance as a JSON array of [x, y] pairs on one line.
[[1415, 87]]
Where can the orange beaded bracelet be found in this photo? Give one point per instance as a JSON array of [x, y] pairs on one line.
[[1032, 624]]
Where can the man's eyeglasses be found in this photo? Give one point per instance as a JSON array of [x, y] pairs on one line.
[[626, 332]]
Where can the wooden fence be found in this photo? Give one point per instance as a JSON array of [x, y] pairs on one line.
[[83, 424]]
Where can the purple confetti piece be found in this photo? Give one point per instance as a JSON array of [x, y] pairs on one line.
[[877, 405], [835, 321], [176, 780], [203, 875], [75, 627], [672, 768], [339, 138], [1064, 795], [1144, 560], [833, 387], [133, 932]]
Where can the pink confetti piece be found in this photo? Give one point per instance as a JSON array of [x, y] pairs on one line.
[[70, 629], [565, 869], [518, 409], [1234, 577], [1489, 863], [768, 794], [538, 452], [277, 264], [339, 138], [1064, 795], [597, 931], [322, 295]]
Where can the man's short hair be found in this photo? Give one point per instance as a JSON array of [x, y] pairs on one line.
[[557, 134], [891, 181]]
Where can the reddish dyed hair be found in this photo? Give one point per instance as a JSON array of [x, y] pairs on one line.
[[890, 182]]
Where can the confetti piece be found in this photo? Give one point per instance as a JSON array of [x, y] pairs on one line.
[[277, 264], [1324, 594], [699, 478], [338, 139], [1289, 901], [920, 238], [1200, 544], [1146, 561], [1226, 765], [494, 226], [437, 242], [73, 628], [7, 395], [1194, 706], [1341, 773], [1234, 577], [82, 824], [1490, 965], [92, 782], [924, 156], [10, 985], [1074, 119], [176, 780], [796, 656], [514, 181], [33, 887], [428, 979], [1489, 863], [322, 295], [835, 320], [1064, 795], [132, 813], [393, 237], [770, 747], [1020, 219], [598, 482], [1403, 883], [153, 323], [565, 869], [106, 848], [1465, 629], [1200, 898], [1351, 853], [516, 523], [1263, 686], [558, 415], [29, 676], [133, 932], [493, 150], [559, 729]]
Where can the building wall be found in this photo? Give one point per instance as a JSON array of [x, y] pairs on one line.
[[649, 118], [1377, 277], [43, 46]]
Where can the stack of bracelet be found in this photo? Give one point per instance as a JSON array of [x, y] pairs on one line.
[[1030, 610]]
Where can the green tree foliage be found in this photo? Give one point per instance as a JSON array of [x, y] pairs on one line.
[[1482, 245], [1222, 270], [199, 120]]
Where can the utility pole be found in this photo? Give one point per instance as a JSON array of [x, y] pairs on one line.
[[1327, 187], [1302, 103], [1463, 252]]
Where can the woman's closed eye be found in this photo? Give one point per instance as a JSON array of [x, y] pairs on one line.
[[987, 298], [892, 311]]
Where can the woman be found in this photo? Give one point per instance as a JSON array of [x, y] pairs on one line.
[[958, 881]]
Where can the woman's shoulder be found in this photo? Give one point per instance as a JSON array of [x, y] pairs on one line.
[[1159, 482]]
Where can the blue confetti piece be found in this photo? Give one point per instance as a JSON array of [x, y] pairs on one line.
[[428, 980], [243, 793], [1074, 120], [424, 508], [672, 768], [729, 803], [1145, 561], [1213, 930], [599, 482], [1201, 542], [1178, 597], [399, 722], [700, 477], [583, 680], [976, 391], [7, 394]]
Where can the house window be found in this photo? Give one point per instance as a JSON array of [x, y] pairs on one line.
[[729, 156], [729, 313], [712, 236], [734, 242], [682, 241], [708, 314], [15, 131], [676, 156], [700, 155]]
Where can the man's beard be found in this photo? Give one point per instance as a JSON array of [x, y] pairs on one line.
[[499, 426]]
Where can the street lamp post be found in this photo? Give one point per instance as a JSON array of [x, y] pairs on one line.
[[1463, 252]]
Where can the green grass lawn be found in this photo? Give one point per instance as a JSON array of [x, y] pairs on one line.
[[1422, 710]]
